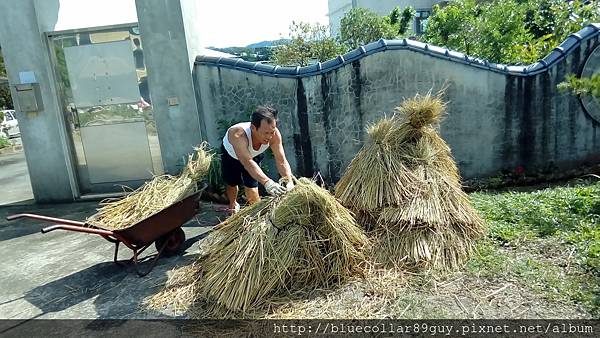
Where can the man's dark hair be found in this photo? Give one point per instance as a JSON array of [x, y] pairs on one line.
[[263, 113]]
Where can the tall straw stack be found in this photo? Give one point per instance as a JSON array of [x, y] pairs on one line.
[[300, 241], [153, 196], [407, 185]]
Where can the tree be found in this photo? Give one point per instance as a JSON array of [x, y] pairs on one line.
[[5, 98], [453, 26], [2, 68], [494, 31], [582, 86], [401, 19], [308, 42], [508, 31], [360, 26]]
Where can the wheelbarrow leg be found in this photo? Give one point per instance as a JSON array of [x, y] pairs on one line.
[[117, 253], [152, 265]]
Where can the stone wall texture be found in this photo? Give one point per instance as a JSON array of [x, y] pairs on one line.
[[499, 118]]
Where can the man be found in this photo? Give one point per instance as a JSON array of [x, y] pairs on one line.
[[242, 152]]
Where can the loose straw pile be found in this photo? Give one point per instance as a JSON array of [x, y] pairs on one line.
[[154, 195], [302, 240]]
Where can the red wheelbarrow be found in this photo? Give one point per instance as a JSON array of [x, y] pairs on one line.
[[162, 228]]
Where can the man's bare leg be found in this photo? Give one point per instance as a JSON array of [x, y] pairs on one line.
[[231, 192], [252, 195]]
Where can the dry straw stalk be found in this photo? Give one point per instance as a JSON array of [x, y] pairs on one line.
[[405, 186], [153, 196], [300, 241]]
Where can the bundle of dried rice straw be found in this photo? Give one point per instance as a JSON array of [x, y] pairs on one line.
[[153, 196], [302, 240], [404, 185]]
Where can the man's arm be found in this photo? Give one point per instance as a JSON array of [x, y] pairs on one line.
[[282, 164], [238, 139]]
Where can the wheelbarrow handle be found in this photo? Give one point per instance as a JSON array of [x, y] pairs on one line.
[[45, 218], [77, 229]]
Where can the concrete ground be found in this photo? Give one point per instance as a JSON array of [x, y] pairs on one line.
[[65, 274], [14, 176]]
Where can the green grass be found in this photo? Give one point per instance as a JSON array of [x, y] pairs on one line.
[[549, 240], [4, 142]]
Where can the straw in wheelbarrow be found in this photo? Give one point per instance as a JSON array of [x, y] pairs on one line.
[[406, 187], [302, 240], [155, 195]]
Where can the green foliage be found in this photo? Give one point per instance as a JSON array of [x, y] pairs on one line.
[[582, 86], [360, 26], [308, 42], [61, 64], [508, 31], [4, 142], [5, 98], [214, 178], [312, 42], [2, 67], [400, 19]]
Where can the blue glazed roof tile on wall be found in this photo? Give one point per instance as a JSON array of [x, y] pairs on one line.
[[456, 55], [229, 61], [438, 50], [245, 64], [331, 63], [557, 54], [396, 43], [535, 67], [310, 69], [516, 69], [353, 55], [264, 68], [552, 57], [287, 70], [372, 46], [569, 43], [417, 44]]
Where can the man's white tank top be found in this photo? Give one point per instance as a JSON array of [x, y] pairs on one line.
[[229, 147]]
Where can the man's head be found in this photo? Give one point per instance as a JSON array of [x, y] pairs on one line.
[[264, 123]]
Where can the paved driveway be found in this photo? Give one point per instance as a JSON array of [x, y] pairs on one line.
[[14, 178], [71, 275]]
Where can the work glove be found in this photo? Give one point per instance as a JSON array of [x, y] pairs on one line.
[[287, 182], [274, 188]]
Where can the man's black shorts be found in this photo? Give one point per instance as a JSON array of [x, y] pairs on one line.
[[233, 171]]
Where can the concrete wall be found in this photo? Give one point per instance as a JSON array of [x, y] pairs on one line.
[[499, 117], [167, 29], [169, 34], [25, 49], [226, 97]]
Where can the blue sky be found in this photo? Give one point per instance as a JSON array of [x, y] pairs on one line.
[[239, 23]]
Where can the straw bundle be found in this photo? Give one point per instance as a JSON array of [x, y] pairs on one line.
[[153, 196], [407, 183], [302, 240]]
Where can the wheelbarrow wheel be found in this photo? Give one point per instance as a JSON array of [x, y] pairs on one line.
[[172, 241]]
